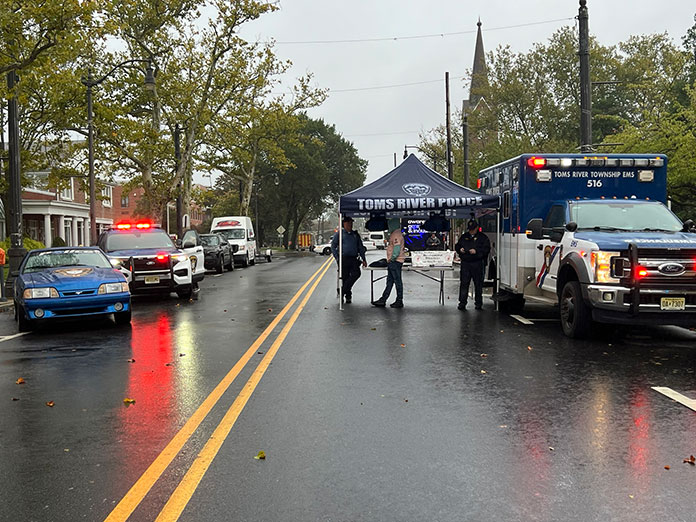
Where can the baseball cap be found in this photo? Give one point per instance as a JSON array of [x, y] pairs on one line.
[[472, 224]]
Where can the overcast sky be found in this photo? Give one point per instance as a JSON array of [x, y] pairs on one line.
[[381, 121]]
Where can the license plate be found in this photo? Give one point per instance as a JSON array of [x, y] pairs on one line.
[[673, 303], [151, 280]]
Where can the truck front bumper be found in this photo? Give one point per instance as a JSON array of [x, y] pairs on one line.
[[612, 304]]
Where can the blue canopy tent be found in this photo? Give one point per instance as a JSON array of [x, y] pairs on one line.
[[412, 190]]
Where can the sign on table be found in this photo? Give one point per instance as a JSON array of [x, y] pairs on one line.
[[432, 258]]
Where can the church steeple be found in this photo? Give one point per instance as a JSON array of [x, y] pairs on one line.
[[479, 75]]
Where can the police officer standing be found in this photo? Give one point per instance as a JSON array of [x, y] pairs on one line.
[[473, 248], [353, 253]]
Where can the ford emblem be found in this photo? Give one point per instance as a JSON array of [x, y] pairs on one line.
[[150, 263], [416, 189], [671, 269]]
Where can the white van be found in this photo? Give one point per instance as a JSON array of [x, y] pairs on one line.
[[379, 238], [239, 233]]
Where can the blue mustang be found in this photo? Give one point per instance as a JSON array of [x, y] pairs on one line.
[[69, 282]]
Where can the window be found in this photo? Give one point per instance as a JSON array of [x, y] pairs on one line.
[[506, 204], [67, 232], [67, 193], [556, 217], [124, 201], [107, 195]]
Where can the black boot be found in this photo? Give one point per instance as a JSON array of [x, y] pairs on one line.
[[381, 302], [397, 304]]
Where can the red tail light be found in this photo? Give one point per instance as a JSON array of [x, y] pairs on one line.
[[536, 163]]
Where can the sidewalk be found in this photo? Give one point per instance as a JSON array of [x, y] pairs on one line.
[[6, 306]]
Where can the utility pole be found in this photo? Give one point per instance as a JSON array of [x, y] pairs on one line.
[[449, 135], [14, 215], [177, 162], [585, 85], [465, 143]]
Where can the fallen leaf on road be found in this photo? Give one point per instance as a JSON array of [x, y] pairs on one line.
[[182, 354], [484, 355], [484, 371], [667, 467], [260, 353], [128, 401], [630, 496], [691, 460], [529, 348], [373, 328], [225, 311], [168, 364], [50, 404], [405, 400], [270, 309], [403, 345], [131, 360], [19, 381], [66, 450], [551, 448], [260, 456], [503, 426], [16, 399]]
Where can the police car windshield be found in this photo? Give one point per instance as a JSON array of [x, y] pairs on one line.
[[233, 233], [624, 215], [131, 239], [37, 261]]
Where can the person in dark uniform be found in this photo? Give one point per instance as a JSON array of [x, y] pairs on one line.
[[353, 252], [473, 248]]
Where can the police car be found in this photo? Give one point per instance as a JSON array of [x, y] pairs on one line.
[[151, 262]]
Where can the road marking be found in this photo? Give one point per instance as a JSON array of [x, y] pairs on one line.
[[676, 396], [187, 487], [8, 337], [521, 319], [142, 486]]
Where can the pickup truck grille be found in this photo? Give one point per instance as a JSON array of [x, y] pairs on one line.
[[666, 268]]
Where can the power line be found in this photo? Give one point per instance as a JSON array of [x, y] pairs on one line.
[[379, 134], [390, 86], [422, 36]]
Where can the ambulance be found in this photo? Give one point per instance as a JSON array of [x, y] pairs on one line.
[[593, 235]]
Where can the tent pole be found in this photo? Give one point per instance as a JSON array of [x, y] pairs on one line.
[[340, 261]]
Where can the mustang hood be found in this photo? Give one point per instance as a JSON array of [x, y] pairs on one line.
[[75, 277], [621, 240]]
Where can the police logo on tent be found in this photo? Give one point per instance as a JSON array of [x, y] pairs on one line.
[[416, 189]]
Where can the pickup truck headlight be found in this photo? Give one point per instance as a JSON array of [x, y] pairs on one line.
[[112, 288], [600, 261], [40, 293]]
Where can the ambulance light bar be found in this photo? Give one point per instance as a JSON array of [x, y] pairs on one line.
[[536, 162]]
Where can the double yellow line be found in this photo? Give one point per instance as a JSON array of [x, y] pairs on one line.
[[186, 488]]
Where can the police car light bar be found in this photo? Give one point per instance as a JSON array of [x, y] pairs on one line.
[[536, 163]]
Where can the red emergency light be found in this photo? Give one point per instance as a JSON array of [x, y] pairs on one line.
[[478, 183], [641, 272], [536, 163], [123, 226], [162, 257], [142, 226]]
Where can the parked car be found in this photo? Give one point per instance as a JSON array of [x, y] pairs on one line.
[[218, 253], [68, 282], [150, 261], [324, 249]]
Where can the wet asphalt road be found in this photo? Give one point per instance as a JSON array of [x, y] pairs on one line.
[[365, 414]]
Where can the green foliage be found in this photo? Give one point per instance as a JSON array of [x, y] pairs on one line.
[[29, 244], [58, 242]]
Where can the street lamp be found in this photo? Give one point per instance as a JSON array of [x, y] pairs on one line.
[[90, 82]]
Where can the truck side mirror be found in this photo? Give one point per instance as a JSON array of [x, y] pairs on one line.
[[571, 227], [688, 226], [557, 234], [535, 229]]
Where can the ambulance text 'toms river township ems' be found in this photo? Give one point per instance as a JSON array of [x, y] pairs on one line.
[[593, 235]]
